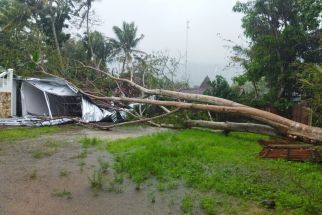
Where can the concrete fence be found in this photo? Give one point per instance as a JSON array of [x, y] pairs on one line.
[[6, 81]]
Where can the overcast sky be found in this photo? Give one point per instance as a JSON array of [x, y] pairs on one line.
[[163, 22]]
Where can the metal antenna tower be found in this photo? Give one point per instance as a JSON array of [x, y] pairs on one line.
[[187, 37]]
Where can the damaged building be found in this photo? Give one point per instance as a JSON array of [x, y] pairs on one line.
[[49, 98]]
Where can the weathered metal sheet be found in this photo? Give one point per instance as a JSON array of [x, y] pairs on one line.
[[92, 113], [33, 121], [52, 86]]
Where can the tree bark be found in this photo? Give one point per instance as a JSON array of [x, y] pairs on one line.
[[53, 28], [232, 126], [89, 37]]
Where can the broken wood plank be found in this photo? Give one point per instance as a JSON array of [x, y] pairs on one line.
[[282, 149]]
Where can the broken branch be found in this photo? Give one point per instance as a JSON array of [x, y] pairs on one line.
[[140, 120], [232, 126]]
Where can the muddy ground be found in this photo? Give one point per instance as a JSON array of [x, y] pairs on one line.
[[40, 177]]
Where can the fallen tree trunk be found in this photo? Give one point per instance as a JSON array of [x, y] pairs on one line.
[[284, 126], [266, 116], [232, 126], [289, 127]]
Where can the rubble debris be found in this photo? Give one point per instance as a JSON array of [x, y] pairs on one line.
[[270, 204], [33, 121]]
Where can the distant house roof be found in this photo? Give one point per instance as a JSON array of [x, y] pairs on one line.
[[205, 83], [199, 90]]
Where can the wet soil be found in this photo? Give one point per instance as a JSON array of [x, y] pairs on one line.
[[37, 176]]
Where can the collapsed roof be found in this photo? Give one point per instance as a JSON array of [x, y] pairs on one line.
[[54, 97], [49, 101]]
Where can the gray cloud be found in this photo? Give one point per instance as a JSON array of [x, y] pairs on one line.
[[163, 22]]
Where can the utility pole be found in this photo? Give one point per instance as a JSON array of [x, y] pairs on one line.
[[187, 37]]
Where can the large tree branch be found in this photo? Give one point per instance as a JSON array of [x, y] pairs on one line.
[[232, 126], [172, 94], [219, 109]]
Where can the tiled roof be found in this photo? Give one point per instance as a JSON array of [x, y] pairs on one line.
[[199, 90]]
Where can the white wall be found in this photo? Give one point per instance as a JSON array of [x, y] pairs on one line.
[[7, 85], [6, 82]]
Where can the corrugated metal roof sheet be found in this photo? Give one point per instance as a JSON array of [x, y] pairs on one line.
[[53, 86]]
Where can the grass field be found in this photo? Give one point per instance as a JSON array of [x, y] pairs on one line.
[[219, 169], [200, 170], [11, 134]]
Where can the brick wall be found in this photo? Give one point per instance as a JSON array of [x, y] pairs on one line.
[[5, 105]]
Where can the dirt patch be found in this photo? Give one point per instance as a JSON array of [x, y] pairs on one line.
[[121, 132], [57, 183]]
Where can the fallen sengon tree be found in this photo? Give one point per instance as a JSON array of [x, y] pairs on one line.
[[272, 124], [283, 126]]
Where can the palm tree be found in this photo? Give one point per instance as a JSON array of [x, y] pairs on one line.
[[98, 47], [126, 41]]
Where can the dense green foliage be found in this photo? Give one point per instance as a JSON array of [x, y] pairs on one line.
[[126, 42], [311, 83], [30, 27], [283, 34], [220, 88], [208, 161]]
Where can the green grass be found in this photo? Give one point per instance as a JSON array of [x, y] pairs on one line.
[[12, 134], [82, 154], [212, 162], [207, 203], [42, 153], [82, 164], [52, 143], [62, 194], [96, 180], [151, 197], [87, 142], [64, 173], [33, 175], [187, 204], [103, 165]]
